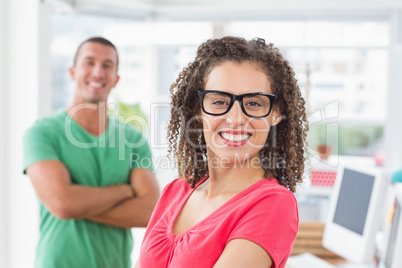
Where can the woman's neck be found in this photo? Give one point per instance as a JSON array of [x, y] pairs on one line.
[[232, 179]]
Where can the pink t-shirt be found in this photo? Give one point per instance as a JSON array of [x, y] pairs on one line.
[[265, 213]]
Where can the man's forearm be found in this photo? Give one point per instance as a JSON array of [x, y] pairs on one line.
[[134, 212], [52, 183], [80, 201]]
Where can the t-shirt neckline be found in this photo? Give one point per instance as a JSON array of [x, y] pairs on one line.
[[227, 203], [104, 134]]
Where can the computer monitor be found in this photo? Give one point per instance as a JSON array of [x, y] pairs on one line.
[[354, 213], [392, 257]]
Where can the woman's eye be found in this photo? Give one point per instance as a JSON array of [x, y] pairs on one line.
[[220, 102], [253, 104]]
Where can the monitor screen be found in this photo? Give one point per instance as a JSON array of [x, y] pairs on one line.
[[351, 208]]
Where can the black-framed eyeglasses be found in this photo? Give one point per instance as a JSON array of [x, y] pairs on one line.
[[255, 105]]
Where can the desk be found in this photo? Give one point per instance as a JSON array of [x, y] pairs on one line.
[[308, 251], [309, 239], [308, 260]]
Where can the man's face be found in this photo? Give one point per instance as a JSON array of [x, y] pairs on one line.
[[95, 72]]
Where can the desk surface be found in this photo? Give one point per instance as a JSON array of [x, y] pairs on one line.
[[309, 239], [311, 261]]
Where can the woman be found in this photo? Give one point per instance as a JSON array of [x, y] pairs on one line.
[[237, 129]]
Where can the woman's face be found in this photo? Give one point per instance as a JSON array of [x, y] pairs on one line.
[[235, 137]]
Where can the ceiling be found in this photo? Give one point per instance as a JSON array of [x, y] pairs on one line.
[[221, 10]]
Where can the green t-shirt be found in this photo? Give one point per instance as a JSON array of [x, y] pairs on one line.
[[92, 161]]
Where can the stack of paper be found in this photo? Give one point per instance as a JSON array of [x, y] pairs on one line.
[[307, 260]]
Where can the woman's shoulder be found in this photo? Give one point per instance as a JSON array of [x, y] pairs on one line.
[[270, 201], [272, 185], [270, 189], [177, 183]]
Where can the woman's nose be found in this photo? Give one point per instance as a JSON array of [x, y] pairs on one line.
[[235, 116]]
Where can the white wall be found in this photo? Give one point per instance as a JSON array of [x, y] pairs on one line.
[[3, 134], [25, 100], [22, 107], [393, 127]]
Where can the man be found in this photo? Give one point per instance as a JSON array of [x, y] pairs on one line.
[[80, 162]]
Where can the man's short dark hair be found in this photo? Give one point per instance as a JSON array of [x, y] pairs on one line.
[[99, 40]]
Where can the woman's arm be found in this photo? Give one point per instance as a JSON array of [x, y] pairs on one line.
[[240, 253]]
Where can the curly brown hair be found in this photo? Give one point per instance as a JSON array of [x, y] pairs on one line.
[[285, 150]]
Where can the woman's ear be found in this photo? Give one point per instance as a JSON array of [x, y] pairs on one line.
[[276, 118], [198, 116]]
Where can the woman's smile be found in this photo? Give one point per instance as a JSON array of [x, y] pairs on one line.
[[234, 138]]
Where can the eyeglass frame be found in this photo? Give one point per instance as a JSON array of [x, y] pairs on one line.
[[233, 98]]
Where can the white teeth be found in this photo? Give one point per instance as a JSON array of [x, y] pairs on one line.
[[233, 137], [94, 84]]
